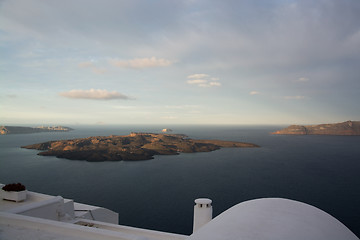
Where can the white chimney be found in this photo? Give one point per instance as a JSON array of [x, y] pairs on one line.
[[202, 212]]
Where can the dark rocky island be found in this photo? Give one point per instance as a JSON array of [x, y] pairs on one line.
[[136, 146], [21, 130], [344, 128]]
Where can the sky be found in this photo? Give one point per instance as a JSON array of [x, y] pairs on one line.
[[170, 62]]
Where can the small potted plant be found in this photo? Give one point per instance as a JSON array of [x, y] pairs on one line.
[[14, 192]]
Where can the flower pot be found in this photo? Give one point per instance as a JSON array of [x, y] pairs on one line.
[[13, 196]]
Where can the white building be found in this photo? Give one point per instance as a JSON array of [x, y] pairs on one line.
[[42, 217]]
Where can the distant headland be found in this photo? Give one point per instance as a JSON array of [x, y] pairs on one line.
[[136, 146], [345, 128], [19, 130]]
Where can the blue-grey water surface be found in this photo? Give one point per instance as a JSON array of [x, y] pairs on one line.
[[158, 194]]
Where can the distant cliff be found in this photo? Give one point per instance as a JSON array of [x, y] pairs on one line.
[[18, 130], [344, 128], [136, 146]]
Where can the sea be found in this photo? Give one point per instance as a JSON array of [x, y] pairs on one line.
[[159, 194]]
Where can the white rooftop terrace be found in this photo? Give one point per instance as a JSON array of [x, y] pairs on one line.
[[42, 216]]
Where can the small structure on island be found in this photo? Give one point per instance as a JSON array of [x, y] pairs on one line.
[[167, 130]]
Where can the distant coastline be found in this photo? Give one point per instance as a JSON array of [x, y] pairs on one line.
[[348, 128], [5, 130]]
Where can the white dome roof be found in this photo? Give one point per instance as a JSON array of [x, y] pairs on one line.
[[274, 218]]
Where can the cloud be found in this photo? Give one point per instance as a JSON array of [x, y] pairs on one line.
[[254, 93], [215, 84], [203, 80], [198, 75], [141, 62], [95, 94], [197, 81], [302, 79]]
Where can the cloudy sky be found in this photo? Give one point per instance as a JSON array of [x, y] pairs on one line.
[[179, 61]]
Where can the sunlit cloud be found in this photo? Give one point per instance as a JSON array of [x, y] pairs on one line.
[[197, 81], [254, 93], [302, 79], [198, 75], [95, 94], [215, 84], [141, 62], [203, 80]]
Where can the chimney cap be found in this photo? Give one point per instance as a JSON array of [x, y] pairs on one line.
[[203, 201]]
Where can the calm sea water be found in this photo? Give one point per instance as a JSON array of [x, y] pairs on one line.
[[158, 194]]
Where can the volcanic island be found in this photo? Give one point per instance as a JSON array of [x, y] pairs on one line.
[[348, 128], [136, 146], [5, 130]]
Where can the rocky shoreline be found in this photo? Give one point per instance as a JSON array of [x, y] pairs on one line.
[[136, 146]]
